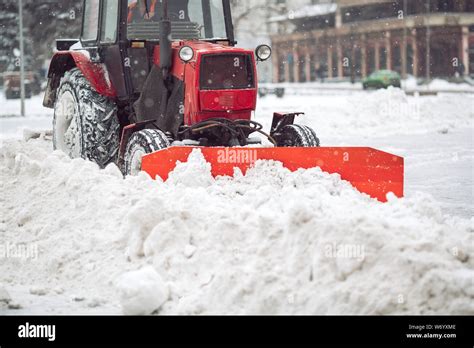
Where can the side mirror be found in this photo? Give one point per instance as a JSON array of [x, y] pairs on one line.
[[263, 53], [65, 44]]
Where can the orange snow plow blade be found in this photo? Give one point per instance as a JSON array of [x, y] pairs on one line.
[[370, 171]]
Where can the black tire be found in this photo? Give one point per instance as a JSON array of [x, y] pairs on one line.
[[280, 92], [143, 143], [296, 135], [90, 129]]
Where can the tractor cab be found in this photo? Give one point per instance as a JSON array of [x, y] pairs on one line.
[[171, 62]]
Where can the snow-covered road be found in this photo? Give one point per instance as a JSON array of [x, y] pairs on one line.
[[269, 242]]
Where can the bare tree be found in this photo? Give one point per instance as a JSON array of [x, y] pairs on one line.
[[257, 12], [44, 21]]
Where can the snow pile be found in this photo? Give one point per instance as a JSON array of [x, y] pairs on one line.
[[194, 173], [142, 292], [267, 242]]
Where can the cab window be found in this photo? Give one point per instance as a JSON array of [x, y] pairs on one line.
[[190, 19], [109, 21], [91, 20]]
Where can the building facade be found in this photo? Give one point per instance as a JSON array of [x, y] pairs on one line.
[[349, 39]]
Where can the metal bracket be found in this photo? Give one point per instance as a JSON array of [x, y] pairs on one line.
[[281, 120]]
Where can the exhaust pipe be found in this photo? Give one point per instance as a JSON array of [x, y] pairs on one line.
[[165, 41]]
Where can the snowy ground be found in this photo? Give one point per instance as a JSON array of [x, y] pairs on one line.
[[82, 240], [410, 85]]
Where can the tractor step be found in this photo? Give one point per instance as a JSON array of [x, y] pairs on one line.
[[370, 171]]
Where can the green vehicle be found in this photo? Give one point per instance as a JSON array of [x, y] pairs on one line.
[[382, 79]]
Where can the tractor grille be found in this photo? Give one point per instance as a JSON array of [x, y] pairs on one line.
[[226, 71]]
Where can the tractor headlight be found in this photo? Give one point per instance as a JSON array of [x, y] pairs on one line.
[[263, 52], [186, 53]]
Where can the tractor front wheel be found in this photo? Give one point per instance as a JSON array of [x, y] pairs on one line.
[[296, 135], [143, 143]]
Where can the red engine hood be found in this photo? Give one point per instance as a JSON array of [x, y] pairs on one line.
[[203, 104]]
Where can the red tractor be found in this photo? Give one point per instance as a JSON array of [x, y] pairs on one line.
[[150, 80]]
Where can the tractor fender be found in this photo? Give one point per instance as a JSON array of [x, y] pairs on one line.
[[95, 73]]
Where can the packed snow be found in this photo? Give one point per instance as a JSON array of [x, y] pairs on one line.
[[77, 239]]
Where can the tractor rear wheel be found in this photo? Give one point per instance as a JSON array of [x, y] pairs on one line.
[[85, 123], [296, 135], [143, 143]]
